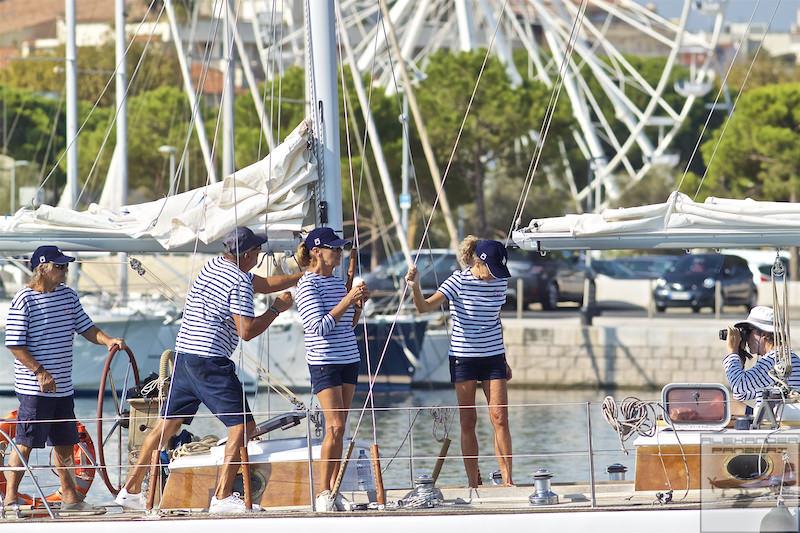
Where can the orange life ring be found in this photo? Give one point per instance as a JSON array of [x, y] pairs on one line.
[[82, 455]]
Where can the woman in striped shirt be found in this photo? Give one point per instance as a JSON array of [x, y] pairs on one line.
[[477, 354], [329, 314]]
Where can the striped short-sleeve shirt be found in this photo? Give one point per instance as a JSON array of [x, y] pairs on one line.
[[327, 341], [45, 323], [220, 291], [475, 309]]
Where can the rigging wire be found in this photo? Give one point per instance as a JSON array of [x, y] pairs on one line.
[[736, 100], [548, 117], [96, 103], [720, 92], [113, 119], [370, 392]]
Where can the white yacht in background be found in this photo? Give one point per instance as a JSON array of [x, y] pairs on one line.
[[147, 325]]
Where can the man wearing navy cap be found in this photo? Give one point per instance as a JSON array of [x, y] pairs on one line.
[[40, 328], [218, 312]]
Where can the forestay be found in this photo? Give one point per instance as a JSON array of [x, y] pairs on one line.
[[273, 193], [677, 223]]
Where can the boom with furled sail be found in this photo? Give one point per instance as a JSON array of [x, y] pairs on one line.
[[677, 223], [274, 192]]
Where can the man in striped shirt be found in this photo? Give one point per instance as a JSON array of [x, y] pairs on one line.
[[759, 331], [41, 324], [218, 312]]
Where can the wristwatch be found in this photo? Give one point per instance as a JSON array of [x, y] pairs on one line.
[[39, 368], [274, 310]]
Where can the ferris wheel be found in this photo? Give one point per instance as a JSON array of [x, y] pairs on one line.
[[624, 123]]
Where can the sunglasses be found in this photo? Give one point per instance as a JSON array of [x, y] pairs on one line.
[[60, 267]]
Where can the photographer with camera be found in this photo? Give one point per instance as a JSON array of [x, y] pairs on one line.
[[755, 335]]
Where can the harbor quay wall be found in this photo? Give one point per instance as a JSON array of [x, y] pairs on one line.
[[621, 353]]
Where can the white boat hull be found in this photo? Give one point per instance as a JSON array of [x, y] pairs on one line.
[[147, 337]]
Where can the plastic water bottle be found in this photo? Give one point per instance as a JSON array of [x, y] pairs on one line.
[[364, 475]]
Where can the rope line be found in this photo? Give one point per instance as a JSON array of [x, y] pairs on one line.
[[555, 93], [736, 100], [721, 90]]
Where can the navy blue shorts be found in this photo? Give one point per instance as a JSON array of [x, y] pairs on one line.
[[327, 376], [34, 430], [477, 368], [208, 380]]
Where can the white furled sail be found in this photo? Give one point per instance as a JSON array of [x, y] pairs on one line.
[[272, 193], [680, 222]]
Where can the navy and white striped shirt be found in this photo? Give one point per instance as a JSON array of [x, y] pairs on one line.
[[327, 341], [220, 291], [475, 309], [749, 384], [45, 323]]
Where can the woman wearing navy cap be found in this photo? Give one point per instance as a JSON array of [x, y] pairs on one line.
[[329, 314], [477, 354]]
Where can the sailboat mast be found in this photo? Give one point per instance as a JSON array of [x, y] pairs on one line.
[[324, 97], [71, 74], [228, 166], [122, 132]]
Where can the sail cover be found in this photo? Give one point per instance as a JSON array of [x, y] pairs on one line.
[[677, 223], [273, 193]]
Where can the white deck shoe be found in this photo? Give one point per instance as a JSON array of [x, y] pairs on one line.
[[233, 504], [325, 503], [131, 502]]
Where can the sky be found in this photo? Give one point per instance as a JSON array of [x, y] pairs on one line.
[[737, 11]]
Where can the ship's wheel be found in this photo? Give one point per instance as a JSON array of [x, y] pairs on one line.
[[120, 373]]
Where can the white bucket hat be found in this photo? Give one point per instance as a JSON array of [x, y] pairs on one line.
[[761, 317]]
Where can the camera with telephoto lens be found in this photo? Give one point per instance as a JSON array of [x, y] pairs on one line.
[[743, 334], [723, 333]]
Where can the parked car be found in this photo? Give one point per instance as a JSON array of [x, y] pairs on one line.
[[692, 280], [611, 268], [648, 266], [434, 266], [538, 279], [759, 261]]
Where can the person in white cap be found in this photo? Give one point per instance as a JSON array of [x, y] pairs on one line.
[[759, 332]]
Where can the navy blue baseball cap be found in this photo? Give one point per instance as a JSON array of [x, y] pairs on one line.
[[49, 254], [326, 238], [494, 254], [242, 239]]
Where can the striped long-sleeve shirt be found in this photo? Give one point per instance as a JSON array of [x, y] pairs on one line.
[[475, 308], [327, 341], [45, 323], [749, 384]]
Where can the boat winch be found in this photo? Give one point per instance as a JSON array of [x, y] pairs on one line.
[[543, 495], [616, 472], [424, 496]]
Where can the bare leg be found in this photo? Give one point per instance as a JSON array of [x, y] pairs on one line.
[[332, 402], [232, 455], [158, 437], [465, 392], [64, 461], [14, 477], [348, 390], [496, 393]]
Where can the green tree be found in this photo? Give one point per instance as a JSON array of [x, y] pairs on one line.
[[758, 156], [157, 117], [43, 71], [500, 114]]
